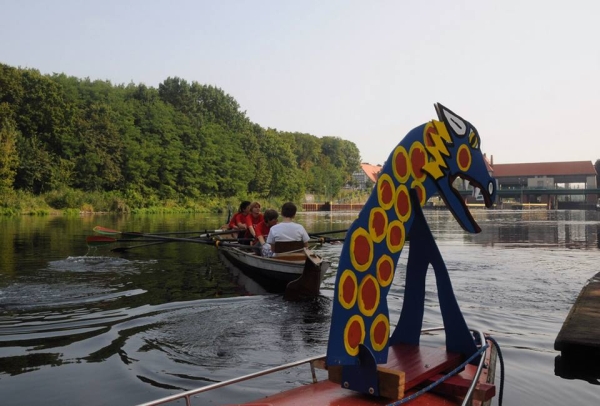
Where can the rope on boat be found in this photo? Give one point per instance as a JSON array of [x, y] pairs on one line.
[[442, 379], [501, 358]]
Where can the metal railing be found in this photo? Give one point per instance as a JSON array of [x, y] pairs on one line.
[[320, 360], [187, 395]]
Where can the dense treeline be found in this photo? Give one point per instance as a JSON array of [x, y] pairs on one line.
[[181, 142]]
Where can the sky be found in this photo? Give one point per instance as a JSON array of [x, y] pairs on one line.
[[525, 73]]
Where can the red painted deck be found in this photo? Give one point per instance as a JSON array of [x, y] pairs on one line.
[[421, 366]]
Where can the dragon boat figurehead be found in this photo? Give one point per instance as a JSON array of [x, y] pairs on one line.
[[427, 161], [454, 150]]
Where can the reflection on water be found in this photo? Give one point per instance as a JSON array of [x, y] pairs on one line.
[[96, 327], [570, 229]]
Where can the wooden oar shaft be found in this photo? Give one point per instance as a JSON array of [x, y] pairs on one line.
[[327, 232], [102, 240], [181, 239], [204, 233], [125, 249]]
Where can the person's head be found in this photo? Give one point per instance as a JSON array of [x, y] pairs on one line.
[[254, 208], [271, 216], [288, 209], [244, 206]]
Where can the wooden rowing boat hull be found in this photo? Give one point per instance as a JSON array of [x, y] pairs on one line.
[[273, 274]]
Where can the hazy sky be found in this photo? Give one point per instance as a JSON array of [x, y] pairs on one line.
[[525, 73]]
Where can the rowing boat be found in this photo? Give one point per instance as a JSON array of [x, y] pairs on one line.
[[274, 274]]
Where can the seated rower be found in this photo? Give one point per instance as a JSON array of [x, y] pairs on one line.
[[253, 218], [288, 230], [238, 220], [262, 231]]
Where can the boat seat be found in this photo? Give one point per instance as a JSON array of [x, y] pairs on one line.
[[282, 247]]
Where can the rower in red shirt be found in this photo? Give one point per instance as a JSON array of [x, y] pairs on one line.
[[262, 231], [238, 221], [252, 219]]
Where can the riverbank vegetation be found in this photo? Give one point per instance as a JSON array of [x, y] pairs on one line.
[[75, 145]]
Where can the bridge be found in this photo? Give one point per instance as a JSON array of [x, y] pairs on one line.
[[518, 192]]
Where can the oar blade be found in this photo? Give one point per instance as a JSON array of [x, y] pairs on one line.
[[105, 231], [98, 240], [109, 231]]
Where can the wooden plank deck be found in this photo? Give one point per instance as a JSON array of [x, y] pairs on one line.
[[407, 366], [580, 333]]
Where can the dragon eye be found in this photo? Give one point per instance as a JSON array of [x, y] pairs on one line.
[[474, 140]]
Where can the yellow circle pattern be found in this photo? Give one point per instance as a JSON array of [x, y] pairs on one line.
[[349, 300], [459, 152], [385, 259], [385, 179], [381, 318], [402, 189], [401, 177], [354, 350], [374, 236], [341, 289], [361, 299], [361, 232], [418, 146], [395, 247]]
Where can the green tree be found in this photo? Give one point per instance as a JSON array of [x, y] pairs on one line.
[[99, 157], [286, 178], [225, 162], [9, 159], [183, 140], [34, 173], [259, 177]]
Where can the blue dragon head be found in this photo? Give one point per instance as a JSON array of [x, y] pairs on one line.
[[454, 150]]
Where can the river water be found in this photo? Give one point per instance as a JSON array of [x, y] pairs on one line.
[[81, 326]]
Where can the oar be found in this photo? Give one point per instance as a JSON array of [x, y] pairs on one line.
[[125, 249], [103, 240], [135, 234], [98, 240], [323, 240], [326, 232]]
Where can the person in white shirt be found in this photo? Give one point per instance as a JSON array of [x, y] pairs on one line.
[[286, 230]]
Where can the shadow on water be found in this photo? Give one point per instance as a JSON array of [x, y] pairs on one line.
[[584, 367]]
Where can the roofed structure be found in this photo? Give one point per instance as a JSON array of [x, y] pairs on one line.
[[369, 173], [584, 168], [545, 174], [372, 171]]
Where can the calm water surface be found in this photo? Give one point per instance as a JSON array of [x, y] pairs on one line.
[[82, 326]]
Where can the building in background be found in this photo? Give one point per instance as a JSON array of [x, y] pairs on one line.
[[550, 184], [366, 177]]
